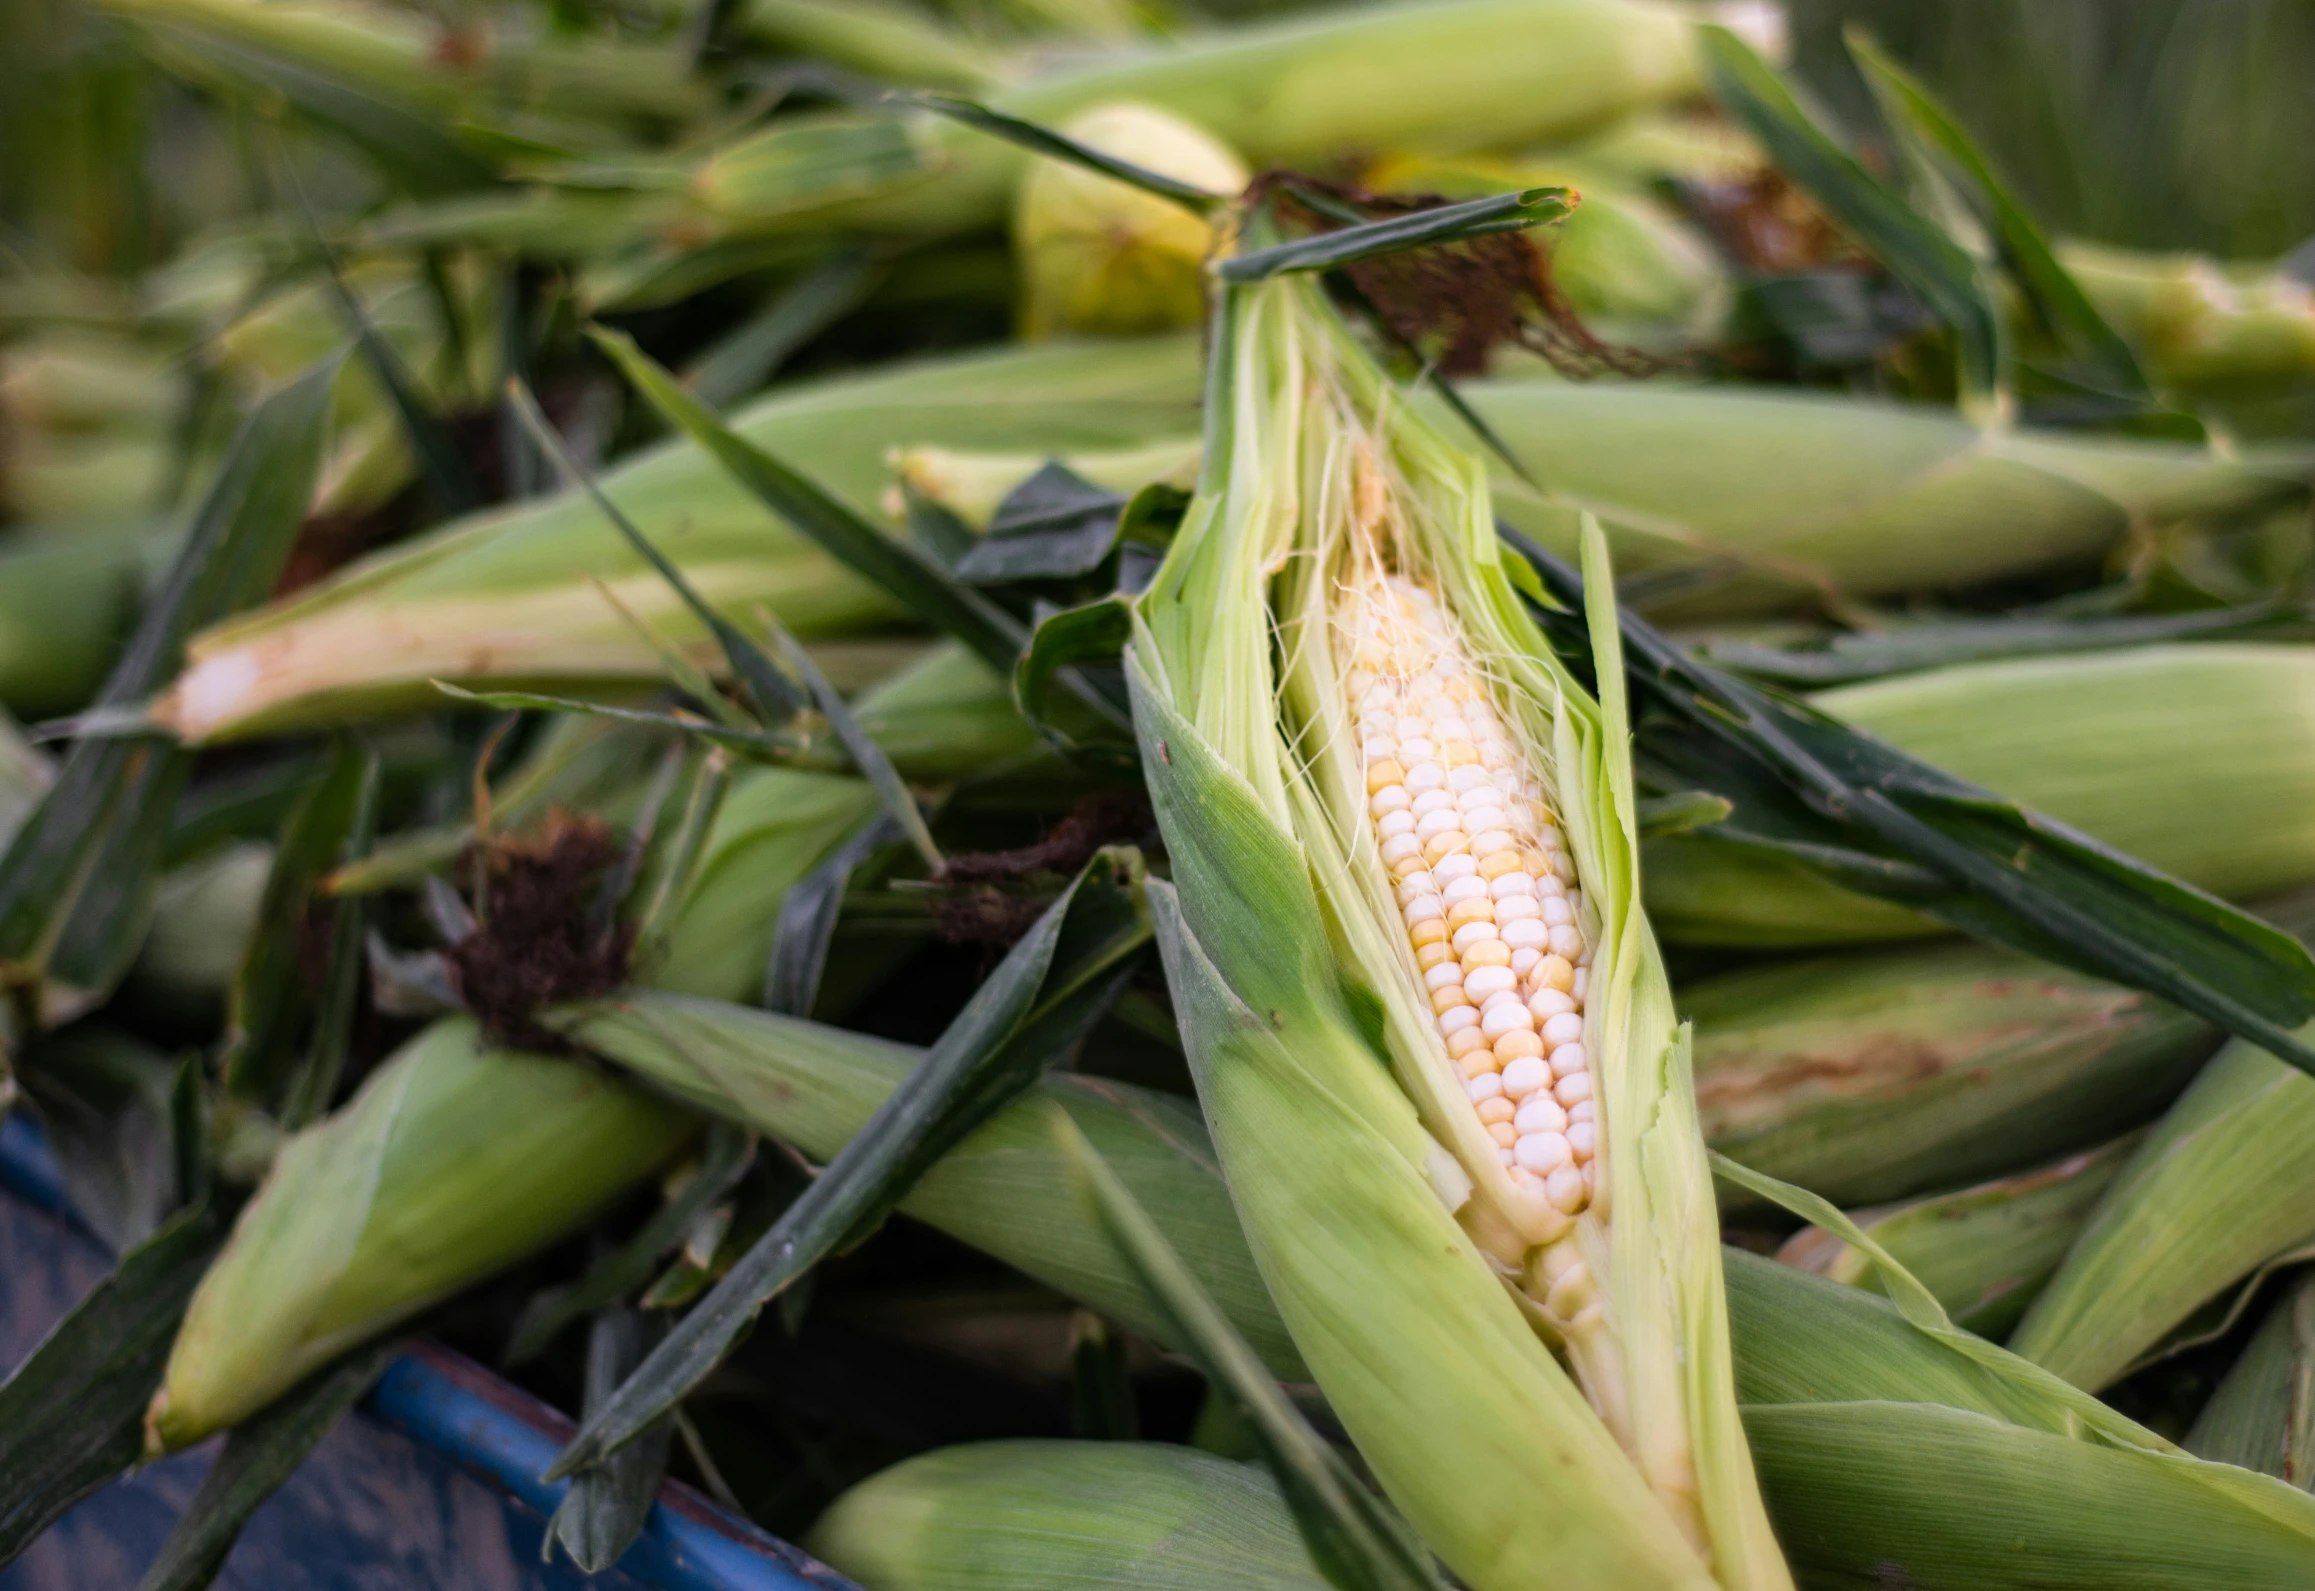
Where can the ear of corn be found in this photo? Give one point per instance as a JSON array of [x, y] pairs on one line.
[[509, 595], [1880, 1075], [1316, 929], [2262, 1416], [1983, 1251], [1295, 92], [2223, 1184], [2199, 760], [1799, 1340], [1063, 1516], [1098, 257], [453, 1160], [1004, 1190]]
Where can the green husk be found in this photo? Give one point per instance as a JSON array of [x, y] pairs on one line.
[[1296, 92], [1004, 1189], [2224, 1184], [453, 1160], [507, 596], [1291, 978], [2262, 1416], [1066, 1516], [1985, 1251], [1798, 1339], [1883, 1074], [203, 916], [775, 825], [2199, 760]]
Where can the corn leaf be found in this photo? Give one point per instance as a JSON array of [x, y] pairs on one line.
[[1916, 251], [77, 879], [267, 998], [1475, 218], [2057, 300], [314, 1084], [1994, 869], [807, 922], [911, 578], [776, 699], [1357, 1543], [762, 745], [1852, 658], [605, 1509], [72, 1416], [1044, 996], [867, 756], [259, 1455], [744, 358]]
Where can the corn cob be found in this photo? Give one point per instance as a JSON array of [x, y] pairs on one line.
[[1065, 1516], [1338, 525], [1882, 1075], [453, 1160], [509, 595], [1299, 92], [2196, 759], [1804, 1349], [2183, 1222], [2263, 1414], [1982, 1251]]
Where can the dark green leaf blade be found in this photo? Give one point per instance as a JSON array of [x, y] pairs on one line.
[[1915, 250], [1356, 1542], [916, 581], [1502, 212], [867, 756], [1036, 1005], [98, 833], [73, 1415], [776, 699], [256, 1459], [2011, 876], [760, 744], [807, 922], [608, 1503], [2049, 287]]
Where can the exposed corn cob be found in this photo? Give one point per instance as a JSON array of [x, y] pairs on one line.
[[2223, 1184], [1298, 92], [2263, 1414], [509, 594], [1984, 1251], [2197, 759], [1805, 1350], [1337, 525], [1882, 1075], [1097, 257], [1066, 1516], [452, 1160]]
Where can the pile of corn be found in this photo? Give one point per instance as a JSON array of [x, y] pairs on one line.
[[1001, 704]]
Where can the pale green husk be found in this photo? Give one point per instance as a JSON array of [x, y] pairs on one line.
[[2224, 1184], [2199, 760], [1003, 1189], [1882, 1074], [1066, 1516], [1983, 1251], [1283, 935], [1798, 1339], [2263, 1414], [453, 1160]]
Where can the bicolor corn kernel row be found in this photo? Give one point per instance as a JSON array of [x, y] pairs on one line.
[[1484, 884]]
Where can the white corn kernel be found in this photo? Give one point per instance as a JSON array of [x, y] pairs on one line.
[[1565, 941], [1462, 1016], [1568, 1059], [1489, 980], [1544, 1153], [1573, 1089], [1451, 868], [1566, 1189], [1487, 1085], [1538, 1111], [1394, 824], [1563, 1027], [1524, 1077], [1497, 1020], [1390, 798], [1473, 934]]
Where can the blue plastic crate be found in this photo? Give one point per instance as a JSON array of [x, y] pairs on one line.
[[431, 1485]]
